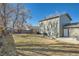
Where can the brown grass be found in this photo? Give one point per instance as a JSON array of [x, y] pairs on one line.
[[37, 45], [33, 39]]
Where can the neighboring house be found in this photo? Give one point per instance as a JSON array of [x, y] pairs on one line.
[[57, 26]]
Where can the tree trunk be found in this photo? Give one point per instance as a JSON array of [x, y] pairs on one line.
[[7, 47]]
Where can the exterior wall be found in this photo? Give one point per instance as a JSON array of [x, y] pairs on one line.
[[48, 26], [63, 20], [45, 24], [53, 30], [74, 32]]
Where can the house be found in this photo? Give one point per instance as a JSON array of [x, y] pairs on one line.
[[59, 26]]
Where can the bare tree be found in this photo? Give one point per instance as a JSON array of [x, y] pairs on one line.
[[8, 46], [22, 14], [6, 11], [15, 15]]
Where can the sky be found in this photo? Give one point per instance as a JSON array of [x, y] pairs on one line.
[[40, 10]]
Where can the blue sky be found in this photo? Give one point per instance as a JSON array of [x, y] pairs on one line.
[[41, 10]]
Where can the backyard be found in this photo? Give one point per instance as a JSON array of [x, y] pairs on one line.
[[37, 45]]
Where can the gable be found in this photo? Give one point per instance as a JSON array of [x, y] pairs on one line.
[[57, 16]]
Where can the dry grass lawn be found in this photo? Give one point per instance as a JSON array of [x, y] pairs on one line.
[[33, 39], [37, 45]]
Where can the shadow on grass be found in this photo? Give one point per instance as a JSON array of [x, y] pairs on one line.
[[40, 53], [48, 45], [22, 54], [47, 50]]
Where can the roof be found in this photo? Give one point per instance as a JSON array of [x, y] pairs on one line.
[[72, 25], [56, 16]]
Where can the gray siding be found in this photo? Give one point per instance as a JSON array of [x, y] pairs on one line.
[[63, 20]]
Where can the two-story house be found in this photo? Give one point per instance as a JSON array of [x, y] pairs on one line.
[[58, 26]]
